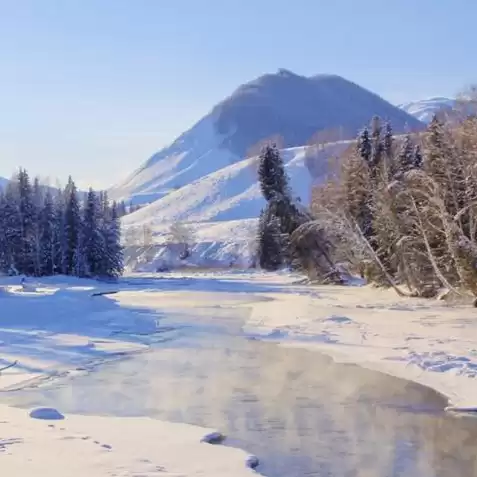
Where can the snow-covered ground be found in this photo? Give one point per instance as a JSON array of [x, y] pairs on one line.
[[80, 446]]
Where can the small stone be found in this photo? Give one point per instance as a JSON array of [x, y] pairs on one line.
[[252, 462], [213, 438], [47, 414]]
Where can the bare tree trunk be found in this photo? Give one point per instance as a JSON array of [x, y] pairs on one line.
[[430, 255]]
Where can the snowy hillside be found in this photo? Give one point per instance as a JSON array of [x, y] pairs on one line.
[[221, 209], [425, 109], [233, 193], [283, 105]]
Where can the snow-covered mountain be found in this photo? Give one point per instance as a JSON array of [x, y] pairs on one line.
[[207, 178], [284, 104], [425, 109]]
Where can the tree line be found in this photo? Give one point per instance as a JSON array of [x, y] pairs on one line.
[[399, 210], [48, 231]]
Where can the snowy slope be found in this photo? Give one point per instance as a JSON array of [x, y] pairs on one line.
[[285, 105], [233, 193], [425, 109], [196, 153]]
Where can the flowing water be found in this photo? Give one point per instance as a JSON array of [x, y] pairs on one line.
[[299, 412]]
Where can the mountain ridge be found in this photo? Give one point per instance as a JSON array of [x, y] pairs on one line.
[[425, 109]]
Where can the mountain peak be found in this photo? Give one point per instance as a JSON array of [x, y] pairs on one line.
[[284, 73], [281, 105]]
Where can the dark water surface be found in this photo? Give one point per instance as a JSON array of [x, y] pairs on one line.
[[300, 413]]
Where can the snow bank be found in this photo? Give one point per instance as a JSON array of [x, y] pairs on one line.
[[425, 341], [98, 446]]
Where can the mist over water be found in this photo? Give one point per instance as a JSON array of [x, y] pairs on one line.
[[299, 412]]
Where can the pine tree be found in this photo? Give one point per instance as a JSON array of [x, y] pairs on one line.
[[269, 243], [364, 147], [406, 156], [417, 158], [112, 263], [11, 223], [271, 173], [388, 141], [60, 260], [377, 144], [26, 212], [4, 246], [388, 151], [72, 224], [50, 248], [36, 243], [92, 240]]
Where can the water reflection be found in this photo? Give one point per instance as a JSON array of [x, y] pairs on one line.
[[300, 413]]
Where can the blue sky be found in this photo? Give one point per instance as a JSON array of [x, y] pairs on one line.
[[94, 87]]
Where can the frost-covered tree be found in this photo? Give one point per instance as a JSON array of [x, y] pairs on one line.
[[26, 214], [112, 263], [44, 231], [405, 160], [364, 147], [92, 240], [182, 235], [37, 233], [72, 229], [376, 143], [271, 174], [12, 227], [49, 238]]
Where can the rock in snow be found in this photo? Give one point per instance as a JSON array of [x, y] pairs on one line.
[[213, 438], [46, 414], [252, 461]]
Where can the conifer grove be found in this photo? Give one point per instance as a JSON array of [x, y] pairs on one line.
[[48, 231]]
